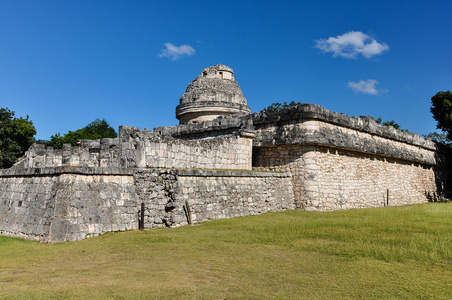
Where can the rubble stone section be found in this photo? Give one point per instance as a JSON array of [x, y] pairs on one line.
[[212, 94], [155, 189]]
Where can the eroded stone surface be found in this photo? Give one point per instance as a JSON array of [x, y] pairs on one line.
[[212, 94], [68, 204]]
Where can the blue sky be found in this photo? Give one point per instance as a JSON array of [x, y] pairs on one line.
[[66, 63]]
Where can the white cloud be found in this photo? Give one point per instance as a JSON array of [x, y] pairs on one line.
[[175, 52], [351, 44], [365, 87]]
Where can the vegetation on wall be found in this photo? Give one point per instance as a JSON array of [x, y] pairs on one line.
[[98, 129], [391, 123], [16, 136], [278, 106]]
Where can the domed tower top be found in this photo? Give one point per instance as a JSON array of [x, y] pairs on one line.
[[212, 94]]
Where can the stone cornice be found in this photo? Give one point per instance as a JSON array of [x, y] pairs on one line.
[[316, 112]]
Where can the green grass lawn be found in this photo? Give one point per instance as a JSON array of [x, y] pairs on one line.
[[384, 253]]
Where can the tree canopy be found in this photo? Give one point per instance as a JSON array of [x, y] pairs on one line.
[[438, 137], [278, 106], [98, 129], [16, 136], [442, 112], [391, 123]]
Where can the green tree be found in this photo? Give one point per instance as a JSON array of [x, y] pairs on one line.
[[278, 106], [16, 136], [438, 137], [442, 112], [391, 123], [98, 129]]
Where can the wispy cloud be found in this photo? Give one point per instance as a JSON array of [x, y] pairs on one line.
[[351, 44], [365, 87], [175, 52]]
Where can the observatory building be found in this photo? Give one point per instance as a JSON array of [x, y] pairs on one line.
[[212, 94]]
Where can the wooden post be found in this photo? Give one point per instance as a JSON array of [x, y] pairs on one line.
[[141, 221], [188, 211], [387, 197]]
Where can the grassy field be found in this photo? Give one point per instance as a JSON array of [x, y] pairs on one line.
[[385, 253]]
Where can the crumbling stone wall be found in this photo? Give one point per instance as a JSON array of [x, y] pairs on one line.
[[145, 149], [224, 143], [90, 153], [220, 126], [155, 189]]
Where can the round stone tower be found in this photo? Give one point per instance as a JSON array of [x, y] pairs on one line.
[[212, 94]]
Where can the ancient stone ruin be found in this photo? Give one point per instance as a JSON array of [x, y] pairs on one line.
[[220, 162], [212, 94]]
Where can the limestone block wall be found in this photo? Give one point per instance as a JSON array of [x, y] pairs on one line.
[[72, 203], [27, 206], [66, 203], [222, 143], [329, 179], [145, 149], [90, 153], [340, 162], [209, 194], [288, 159], [227, 194], [341, 179]]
